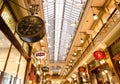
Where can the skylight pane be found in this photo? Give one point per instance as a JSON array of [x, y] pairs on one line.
[[58, 20], [61, 25]]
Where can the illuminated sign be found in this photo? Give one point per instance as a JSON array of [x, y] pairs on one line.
[[40, 54]]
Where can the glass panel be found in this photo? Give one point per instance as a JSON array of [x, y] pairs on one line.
[[9, 79], [12, 79], [22, 69], [18, 81], [13, 61], [6, 79], [66, 13], [4, 48]]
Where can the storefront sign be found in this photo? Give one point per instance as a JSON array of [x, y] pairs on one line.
[[99, 55], [40, 54]]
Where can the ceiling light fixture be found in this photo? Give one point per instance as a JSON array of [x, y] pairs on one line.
[[75, 53], [82, 41], [36, 14], [41, 41], [74, 75], [71, 61], [79, 48], [34, 8], [42, 48], [38, 72], [38, 61], [46, 61], [104, 21], [95, 17]]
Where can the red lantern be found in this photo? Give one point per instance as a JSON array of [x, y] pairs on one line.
[[81, 69], [47, 75], [99, 55]]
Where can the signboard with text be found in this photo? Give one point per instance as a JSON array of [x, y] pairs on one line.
[[40, 54]]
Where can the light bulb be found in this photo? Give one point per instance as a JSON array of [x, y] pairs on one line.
[[82, 41], [95, 16], [71, 61]]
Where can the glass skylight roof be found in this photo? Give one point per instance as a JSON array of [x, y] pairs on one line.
[[62, 17]]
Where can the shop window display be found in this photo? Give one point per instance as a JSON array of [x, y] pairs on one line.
[[4, 49], [6, 79], [114, 50], [8, 50], [102, 74], [12, 61], [118, 66], [9, 79]]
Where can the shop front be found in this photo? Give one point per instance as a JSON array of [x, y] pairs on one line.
[[12, 62], [102, 72], [114, 50]]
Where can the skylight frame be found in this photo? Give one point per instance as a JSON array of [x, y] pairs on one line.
[[56, 32]]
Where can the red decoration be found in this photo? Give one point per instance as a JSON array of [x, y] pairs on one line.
[[66, 82], [47, 75], [31, 74], [81, 69], [99, 55]]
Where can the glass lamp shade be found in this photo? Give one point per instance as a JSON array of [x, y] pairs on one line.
[[95, 16], [99, 55]]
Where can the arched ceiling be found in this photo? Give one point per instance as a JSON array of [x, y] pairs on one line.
[[67, 22]]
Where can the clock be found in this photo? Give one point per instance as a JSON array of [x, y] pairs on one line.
[[31, 28]]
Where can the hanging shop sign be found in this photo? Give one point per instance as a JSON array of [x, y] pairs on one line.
[[99, 55], [81, 69], [40, 54], [45, 69]]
